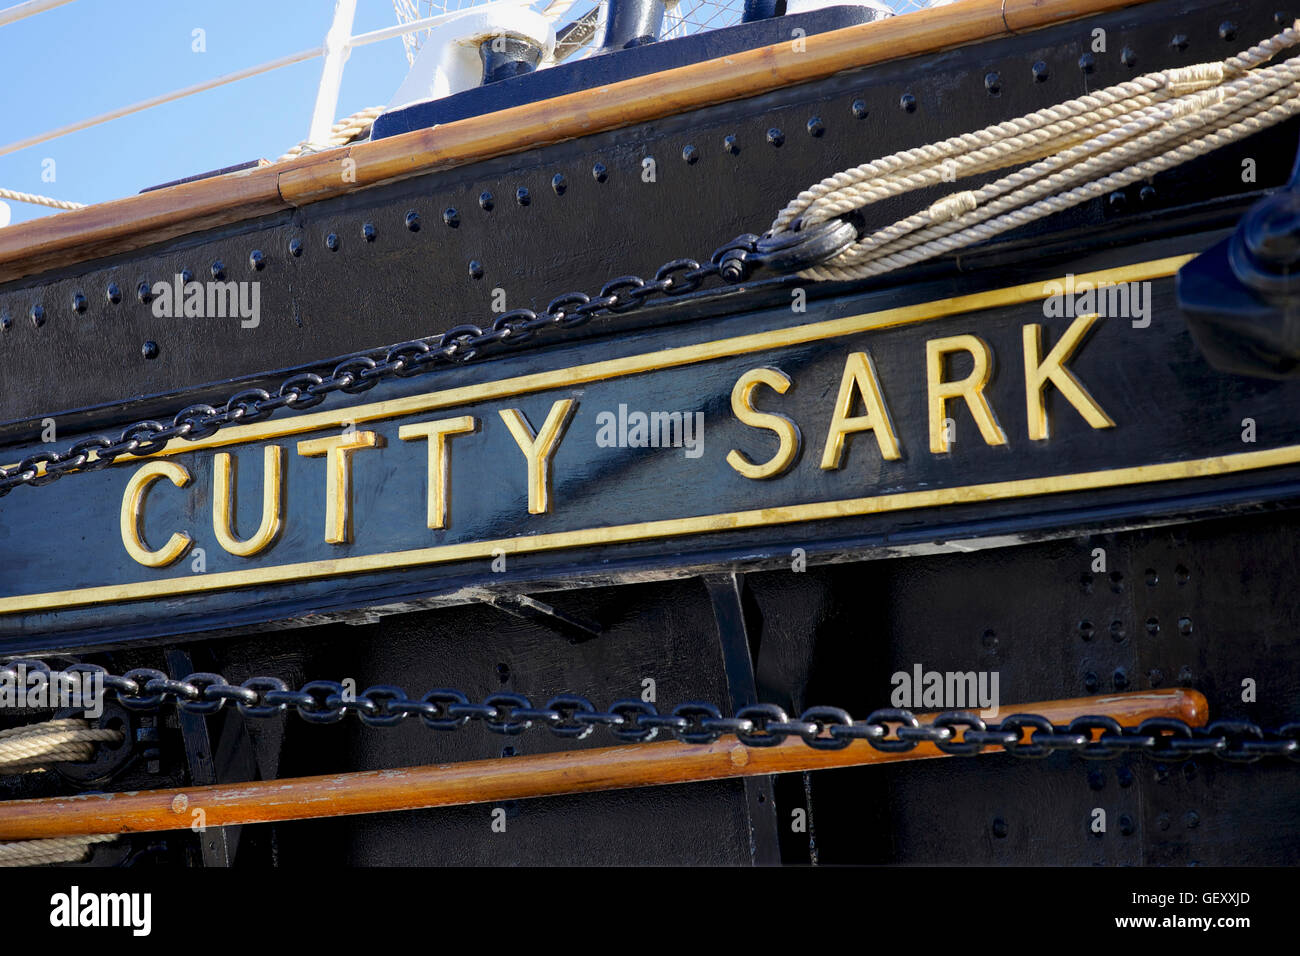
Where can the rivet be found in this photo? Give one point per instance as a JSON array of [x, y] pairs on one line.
[[218, 270], [1162, 821], [993, 84], [1086, 630], [1040, 72], [1128, 56], [1153, 626], [38, 316], [1085, 582], [368, 231], [1121, 680], [503, 672], [1096, 779], [507, 751], [1117, 201], [775, 136], [1184, 676], [1125, 776], [1152, 577], [815, 126], [256, 260], [1155, 677], [1091, 682], [485, 201], [1000, 828], [1087, 63], [413, 221], [989, 640], [295, 247], [558, 184], [1181, 574], [1116, 582], [1179, 42], [143, 293], [1161, 772], [1117, 631], [1147, 194], [113, 294], [1189, 771], [5, 322], [1126, 826], [451, 217], [78, 303], [599, 172], [907, 103], [1282, 18], [730, 144], [1185, 626], [149, 350], [1192, 819], [522, 197], [475, 269], [186, 275], [690, 154], [859, 108], [332, 242]]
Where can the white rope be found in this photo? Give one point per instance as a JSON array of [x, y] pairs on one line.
[[53, 850], [1077, 151], [38, 746], [36, 200], [341, 133]]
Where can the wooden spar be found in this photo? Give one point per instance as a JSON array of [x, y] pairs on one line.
[[137, 221], [514, 778]]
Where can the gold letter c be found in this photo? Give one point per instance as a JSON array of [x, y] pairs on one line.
[[133, 515]]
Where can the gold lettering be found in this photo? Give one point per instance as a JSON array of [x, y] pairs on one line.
[[787, 432], [437, 433], [224, 496], [539, 448], [133, 515], [860, 378], [970, 388], [1052, 369], [338, 450]]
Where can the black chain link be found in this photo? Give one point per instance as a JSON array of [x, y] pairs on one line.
[[1029, 736], [732, 262]]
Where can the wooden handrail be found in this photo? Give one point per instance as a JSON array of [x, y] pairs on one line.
[[513, 778], [136, 221]]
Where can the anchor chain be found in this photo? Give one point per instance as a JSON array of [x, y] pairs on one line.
[[890, 730]]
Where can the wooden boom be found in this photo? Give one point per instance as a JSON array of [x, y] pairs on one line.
[[514, 778]]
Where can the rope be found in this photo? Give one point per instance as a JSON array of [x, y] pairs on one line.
[[54, 850], [37, 746], [36, 200], [1077, 151], [341, 133]]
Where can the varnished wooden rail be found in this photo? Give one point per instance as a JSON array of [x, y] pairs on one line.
[[514, 778], [136, 221]]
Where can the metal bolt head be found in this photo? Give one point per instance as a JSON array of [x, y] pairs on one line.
[[218, 270], [1155, 677], [859, 108], [369, 232], [1192, 819], [451, 217], [907, 103], [522, 196], [1125, 776], [149, 350], [992, 84], [6, 321], [475, 269], [1091, 682], [1000, 828], [113, 294], [690, 154], [1227, 30], [1117, 201], [1128, 56], [730, 144], [1086, 630], [257, 260], [332, 242], [413, 221], [815, 126], [599, 172], [1120, 679], [486, 201], [37, 315], [1096, 779], [1179, 41], [1126, 824], [558, 184], [144, 292], [79, 303], [295, 247], [775, 136], [1087, 63], [1040, 72]]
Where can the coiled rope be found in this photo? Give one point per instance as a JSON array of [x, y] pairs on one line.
[[341, 133], [38, 747], [1078, 150]]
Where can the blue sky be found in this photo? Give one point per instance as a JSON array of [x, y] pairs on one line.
[[91, 56]]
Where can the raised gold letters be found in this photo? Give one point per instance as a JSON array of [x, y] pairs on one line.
[[970, 388], [860, 378], [133, 515], [338, 450], [742, 404], [1052, 369], [438, 433], [539, 448], [224, 494]]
